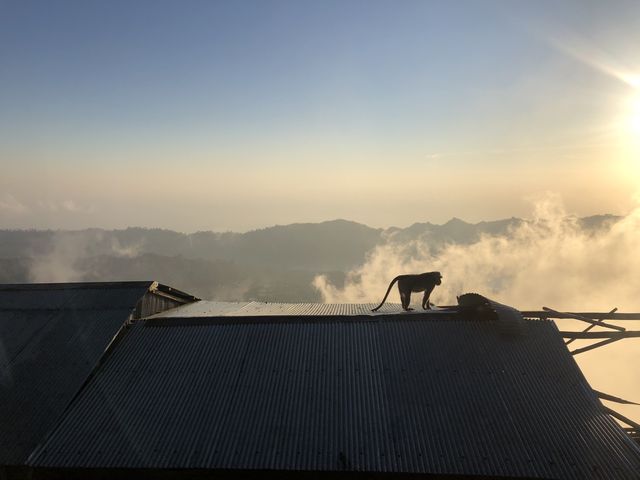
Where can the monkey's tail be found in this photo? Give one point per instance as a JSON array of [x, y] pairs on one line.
[[386, 294]]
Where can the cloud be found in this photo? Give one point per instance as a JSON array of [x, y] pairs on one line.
[[11, 205], [67, 205], [73, 207], [549, 260]]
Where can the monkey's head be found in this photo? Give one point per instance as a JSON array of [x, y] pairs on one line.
[[437, 276]]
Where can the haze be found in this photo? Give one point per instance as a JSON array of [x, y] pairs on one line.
[[240, 115]]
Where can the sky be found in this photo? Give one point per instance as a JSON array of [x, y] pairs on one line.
[[213, 115]]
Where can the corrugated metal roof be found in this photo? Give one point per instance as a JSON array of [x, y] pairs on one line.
[[206, 308], [51, 338], [203, 308], [55, 296], [382, 394]]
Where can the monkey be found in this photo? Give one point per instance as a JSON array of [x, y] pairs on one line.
[[424, 282]]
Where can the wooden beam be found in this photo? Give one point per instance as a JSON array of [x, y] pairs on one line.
[[622, 418], [588, 328], [595, 315], [611, 398], [573, 316], [592, 335], [594, 345]]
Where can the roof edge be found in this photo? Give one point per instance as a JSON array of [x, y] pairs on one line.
[[172, 293], [73, 285]]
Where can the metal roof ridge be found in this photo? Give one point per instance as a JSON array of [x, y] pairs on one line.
[[267, 319]]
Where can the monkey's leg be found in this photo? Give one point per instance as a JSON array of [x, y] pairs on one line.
[[425, 301], [405, 298]]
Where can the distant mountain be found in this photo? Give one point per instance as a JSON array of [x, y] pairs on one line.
[[204, 278], [333, 245], [270, 264], [598, 222], [454, 231]]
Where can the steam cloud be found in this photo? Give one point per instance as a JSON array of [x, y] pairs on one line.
[[550, 260], [63, 261]]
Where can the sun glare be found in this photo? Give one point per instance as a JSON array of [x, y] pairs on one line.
[[634, 116], [627, 124], [627, 128], [631, 135]]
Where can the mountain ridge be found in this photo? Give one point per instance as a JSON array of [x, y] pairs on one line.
[[272, 264]]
